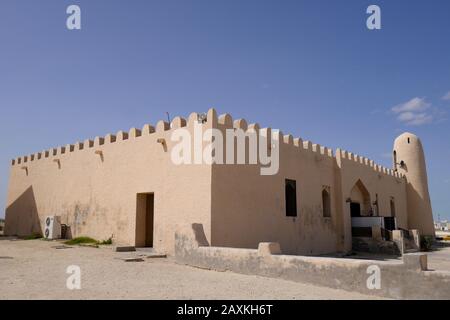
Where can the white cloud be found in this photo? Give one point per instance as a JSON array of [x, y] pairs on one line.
[[446, 96], [413, 105], [414, 112], [415, 119]]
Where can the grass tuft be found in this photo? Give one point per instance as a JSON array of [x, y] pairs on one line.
[[87, 240], [106, 242], [81, 240], [33, 236]]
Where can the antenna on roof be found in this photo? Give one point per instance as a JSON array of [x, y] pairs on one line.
[[168, 117], [202, 118]]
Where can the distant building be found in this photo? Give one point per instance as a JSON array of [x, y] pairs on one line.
[[443, 225]]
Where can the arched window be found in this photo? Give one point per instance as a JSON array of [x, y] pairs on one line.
[[291, 197], [392, 207], [326, 202], [395, 160]]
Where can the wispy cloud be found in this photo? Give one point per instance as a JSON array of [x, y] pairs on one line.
[[415, 119], [413, 105], [446, 96], [414, 112], [376, 111], [386, 155]]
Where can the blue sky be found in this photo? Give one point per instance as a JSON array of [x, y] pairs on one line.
[[309, 68]]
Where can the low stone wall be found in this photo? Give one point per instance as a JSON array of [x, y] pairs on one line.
[[407, 279]]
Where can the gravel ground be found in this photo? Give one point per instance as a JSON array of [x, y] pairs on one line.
[[35, 269]]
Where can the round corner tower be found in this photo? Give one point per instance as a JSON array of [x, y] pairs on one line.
[[409, 159]]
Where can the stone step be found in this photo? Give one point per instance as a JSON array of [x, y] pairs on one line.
[[124, 249], [411, 250]]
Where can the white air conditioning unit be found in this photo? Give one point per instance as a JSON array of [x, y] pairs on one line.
[[52, 229]]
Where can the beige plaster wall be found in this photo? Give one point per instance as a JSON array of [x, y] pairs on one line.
[[94, 190], [248, 208], [377, 180], [409, 150], [96, 194], [407, 279]]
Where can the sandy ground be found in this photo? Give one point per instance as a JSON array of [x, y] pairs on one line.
[[34, 269], [439, 258]]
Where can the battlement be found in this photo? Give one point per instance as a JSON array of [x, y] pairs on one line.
[[368, 163], [213, 120], [120, 136], [227, 122]]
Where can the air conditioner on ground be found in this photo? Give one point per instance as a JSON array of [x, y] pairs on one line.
[[52, 229]]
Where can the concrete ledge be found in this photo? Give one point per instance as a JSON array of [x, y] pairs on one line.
[[398, 279], [416, 261], [269, 248]]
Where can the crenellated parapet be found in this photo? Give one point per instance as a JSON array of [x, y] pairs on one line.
[[227, 122], [120, 136], [214, 121], [343, 154]]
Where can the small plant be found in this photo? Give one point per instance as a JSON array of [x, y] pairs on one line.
[[81, 240], [88, 241], [426, 242], [33, 236], [106, 242]]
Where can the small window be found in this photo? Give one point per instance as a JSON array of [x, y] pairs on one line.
[[409, 141], [395, 160], [291, 197], [326, 202], [392, 203]]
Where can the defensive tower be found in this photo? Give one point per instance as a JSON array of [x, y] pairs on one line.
[[409, 159]]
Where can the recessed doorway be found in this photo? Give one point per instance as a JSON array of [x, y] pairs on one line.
[[145, 219], [355, 209]]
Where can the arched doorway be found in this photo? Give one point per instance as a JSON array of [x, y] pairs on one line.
[[360, 201]]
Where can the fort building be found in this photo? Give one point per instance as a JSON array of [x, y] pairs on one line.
[[127, 186]]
